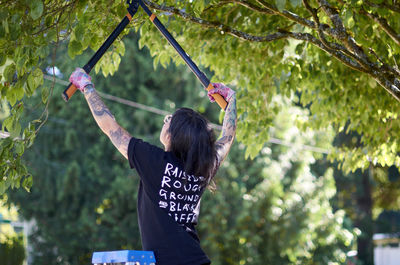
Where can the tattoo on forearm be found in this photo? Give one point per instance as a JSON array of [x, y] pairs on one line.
[[120, 139], [97, 105], [224, 139], [228, 132], [118, 136]]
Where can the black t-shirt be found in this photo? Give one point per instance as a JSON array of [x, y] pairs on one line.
[[168, 205]]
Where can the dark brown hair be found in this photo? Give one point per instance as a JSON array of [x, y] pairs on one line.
[[193, 142]]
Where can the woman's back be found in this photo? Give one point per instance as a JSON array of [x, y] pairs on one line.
[[168, 205]]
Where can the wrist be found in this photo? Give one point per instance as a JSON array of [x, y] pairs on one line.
[[231, 95], [89, 88]]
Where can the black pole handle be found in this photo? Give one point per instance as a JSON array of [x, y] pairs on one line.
[[199, 74], [132, 9]]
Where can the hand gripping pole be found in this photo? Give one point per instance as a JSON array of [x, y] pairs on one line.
[[199, 74], [132, 9]]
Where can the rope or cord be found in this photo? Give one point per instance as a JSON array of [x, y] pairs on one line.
[[129, 103], [4, 134], [163, 113]]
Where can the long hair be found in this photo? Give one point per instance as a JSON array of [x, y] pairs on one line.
[[193, 142]]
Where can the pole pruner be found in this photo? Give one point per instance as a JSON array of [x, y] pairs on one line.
[[133, 6]]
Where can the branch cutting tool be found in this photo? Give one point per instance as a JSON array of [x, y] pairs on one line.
[[132, 10]]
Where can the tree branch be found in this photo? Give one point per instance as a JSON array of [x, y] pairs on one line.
[[314, 14], [394, 8], [382, 22], [244, 3], [337, 52], [356, 59], [342, 35], [219, 4], [289, 15], [213, 24], [348, 61]]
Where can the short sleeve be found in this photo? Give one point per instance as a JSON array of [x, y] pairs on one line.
[[147, 159]]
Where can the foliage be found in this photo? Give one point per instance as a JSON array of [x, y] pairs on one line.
[[84, 197], [84, 194], [278, 213], [338, 58], [12, 250], [26, 30]]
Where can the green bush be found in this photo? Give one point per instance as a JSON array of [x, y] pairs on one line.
[[12, 251]]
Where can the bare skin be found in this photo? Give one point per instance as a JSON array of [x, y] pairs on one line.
[[106, 121], [224, 143], [120, 137]]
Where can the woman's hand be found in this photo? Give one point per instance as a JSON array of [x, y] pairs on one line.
[[80, 79], [221, 89]]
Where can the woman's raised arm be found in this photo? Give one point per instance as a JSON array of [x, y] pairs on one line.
[[229, 124], [102, 115]]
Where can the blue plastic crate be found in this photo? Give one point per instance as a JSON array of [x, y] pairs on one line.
[[124, 256]]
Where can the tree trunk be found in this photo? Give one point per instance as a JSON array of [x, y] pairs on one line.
[[364, 219]]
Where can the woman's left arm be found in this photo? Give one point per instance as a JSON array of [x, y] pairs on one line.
[[106, 121], [102, 115]]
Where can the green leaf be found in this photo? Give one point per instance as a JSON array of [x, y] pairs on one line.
[[15, 131], [11, 97], [51, 35], [3, 188], [19, 92], [8, 123], [295, 3], [120, 48], [348, 19], [49, 20], [6, 27], [36, 9], [15, 31], [3, 59], [280, 4], [79, 32], [27, 183], [3, 14], [35, 79], [199, 6], [2, 31], [45, 94], [116, 60], [19, 147], [95, 42], [9, 72], [74, 48]]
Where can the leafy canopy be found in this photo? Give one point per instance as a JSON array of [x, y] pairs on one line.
[[337, 58], [271, 210]]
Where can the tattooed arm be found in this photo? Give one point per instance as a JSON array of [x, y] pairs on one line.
[[224, 143], [106, 121]]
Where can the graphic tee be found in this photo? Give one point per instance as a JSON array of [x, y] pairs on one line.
[[168, 205]]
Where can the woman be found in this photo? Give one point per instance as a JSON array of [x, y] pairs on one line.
[[172, 180]]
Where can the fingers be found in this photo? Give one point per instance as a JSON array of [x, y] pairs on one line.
[[80, 79], [222, 90]]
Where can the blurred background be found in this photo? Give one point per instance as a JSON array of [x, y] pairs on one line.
[[287, 205]]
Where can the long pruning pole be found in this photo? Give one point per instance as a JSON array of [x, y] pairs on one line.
[[133, 7], [199, 74]]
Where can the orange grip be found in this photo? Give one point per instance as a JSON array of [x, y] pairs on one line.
[[218, 98], [67, 94]]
